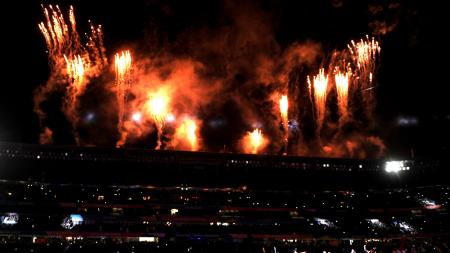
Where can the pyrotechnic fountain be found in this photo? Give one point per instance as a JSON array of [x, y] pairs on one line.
[[155, 99], [342, 85], [284, 107], [157, 107], [122, 64], [69, 58], [319, 88]]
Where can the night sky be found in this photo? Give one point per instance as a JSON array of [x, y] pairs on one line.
[[413, 111]]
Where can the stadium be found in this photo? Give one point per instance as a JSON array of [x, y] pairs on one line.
[[224, 126], [168, 201]]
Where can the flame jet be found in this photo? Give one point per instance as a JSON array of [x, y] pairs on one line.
[[158, 109], [187, 133], [319, 86], [254, 142], [284, 107], [122, 66]]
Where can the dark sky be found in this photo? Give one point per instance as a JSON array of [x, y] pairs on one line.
[[412, 78]]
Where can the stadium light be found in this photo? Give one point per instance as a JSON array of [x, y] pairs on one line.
[[395, 166]]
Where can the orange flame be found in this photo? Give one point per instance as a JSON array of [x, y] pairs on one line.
[[284, 106], [320, 86], [158, 106], [254, 141], [158, 109], [187, 132], [122, 64]]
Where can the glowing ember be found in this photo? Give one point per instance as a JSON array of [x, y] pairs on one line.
[[342, 85], [320, 86], [122, 63], [187, 132]]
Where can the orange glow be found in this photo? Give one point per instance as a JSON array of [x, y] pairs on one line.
[[320, 86], [187, 133], [284, 106], [158, 109], [254, 141], [122, 64], [158, 105]]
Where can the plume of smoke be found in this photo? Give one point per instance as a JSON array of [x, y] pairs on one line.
[[355, 146], [46, 136], [186, 136], [176, 80], [240, 64]]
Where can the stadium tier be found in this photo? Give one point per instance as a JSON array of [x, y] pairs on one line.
[[164, 201]]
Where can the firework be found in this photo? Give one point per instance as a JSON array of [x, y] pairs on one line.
[[319, 85], [122, 64], [165, 85], [284, 106], [342, 81], [187, 133], [158, 109], [254, 141], [364, 55], [69, 59]]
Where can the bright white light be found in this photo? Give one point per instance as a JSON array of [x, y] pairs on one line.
[[173, 211], [10, 219], [170, 118], [147, 239], [404, 227], [376, 223], [394, 166], [136, 117], [324, 222], [429, 204], [90, 117], [72, 221]]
